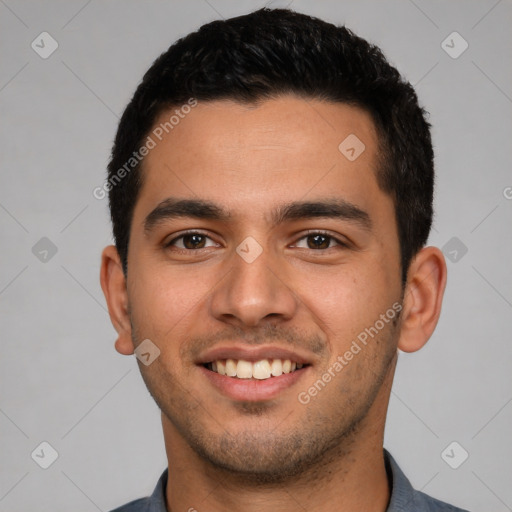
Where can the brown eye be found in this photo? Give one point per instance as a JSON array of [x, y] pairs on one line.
[[191, 241], [194, 241], [318, 241]]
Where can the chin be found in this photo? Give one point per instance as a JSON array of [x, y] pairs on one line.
[[256, 458]]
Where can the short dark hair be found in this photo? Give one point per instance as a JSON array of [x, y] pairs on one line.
[[268, 53]]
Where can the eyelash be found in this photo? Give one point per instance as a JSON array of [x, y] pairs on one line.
[[308, 234]]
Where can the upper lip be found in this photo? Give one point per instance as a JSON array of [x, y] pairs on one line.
[[252, 354]]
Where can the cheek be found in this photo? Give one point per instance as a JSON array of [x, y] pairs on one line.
[[345, 301], [163, 299], [338, 297]]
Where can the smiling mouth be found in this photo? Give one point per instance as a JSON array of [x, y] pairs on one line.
[[260, 370]]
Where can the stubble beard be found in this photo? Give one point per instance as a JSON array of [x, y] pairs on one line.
[[275, 455]]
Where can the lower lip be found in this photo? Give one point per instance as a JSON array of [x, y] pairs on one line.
[[253, 390]]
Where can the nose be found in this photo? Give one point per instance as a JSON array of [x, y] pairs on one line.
[[254, 292]]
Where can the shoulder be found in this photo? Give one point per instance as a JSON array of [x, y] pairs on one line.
[[153, 503], [424, 502], [140, 505], [404, 498]]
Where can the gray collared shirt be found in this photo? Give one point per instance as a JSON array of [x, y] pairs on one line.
[[403, 497]]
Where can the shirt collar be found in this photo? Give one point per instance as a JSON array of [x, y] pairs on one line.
[[156, 501], [402, 492]]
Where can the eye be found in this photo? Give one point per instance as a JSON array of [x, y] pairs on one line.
[[318, 240], [191, 241]]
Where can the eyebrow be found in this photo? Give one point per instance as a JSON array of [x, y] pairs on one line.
[[172, 208], [335, 208]]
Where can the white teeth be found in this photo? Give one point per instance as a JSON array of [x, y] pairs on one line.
[[276, 367], [261, 370], [230, 368], [221, 367], [244, 369]]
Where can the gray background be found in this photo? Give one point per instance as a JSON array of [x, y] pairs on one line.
[[63, 382]]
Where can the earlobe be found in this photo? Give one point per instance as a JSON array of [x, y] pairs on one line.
[[422, 299], [113, 284]]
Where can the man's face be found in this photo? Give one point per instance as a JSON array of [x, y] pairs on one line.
[[262, 280]]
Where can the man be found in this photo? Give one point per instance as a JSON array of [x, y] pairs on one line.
[[271, 190]]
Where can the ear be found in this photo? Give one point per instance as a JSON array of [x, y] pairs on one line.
[[113, 284], [423, 298]]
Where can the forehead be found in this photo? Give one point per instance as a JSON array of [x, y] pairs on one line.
[[280, 149]]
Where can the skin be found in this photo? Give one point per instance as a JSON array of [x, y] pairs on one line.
[[227, 454]]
